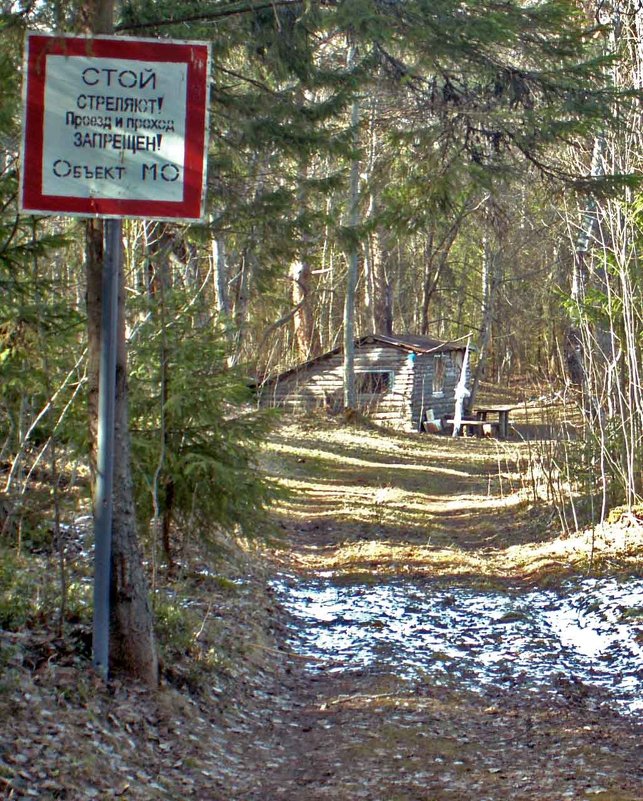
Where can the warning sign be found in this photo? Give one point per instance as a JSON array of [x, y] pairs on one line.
[[114, 127]]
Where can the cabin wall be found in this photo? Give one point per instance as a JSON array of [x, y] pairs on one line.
[[426, 400], [405, 403], [321, 385]]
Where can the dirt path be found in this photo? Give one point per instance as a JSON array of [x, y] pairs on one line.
[[437, 542], [456, 513], [372, 737]]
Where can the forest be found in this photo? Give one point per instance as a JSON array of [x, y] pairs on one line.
[[462, 172]]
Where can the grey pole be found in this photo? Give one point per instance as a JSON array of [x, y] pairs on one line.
[[112, 238]]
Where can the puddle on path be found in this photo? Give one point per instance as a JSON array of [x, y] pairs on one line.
[[591, 631]]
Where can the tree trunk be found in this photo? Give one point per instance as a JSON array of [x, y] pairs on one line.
[[382, 308], [378, 292], [220, 277], [249, 267], [435, 260], [306, 335], [241, 303], [574, 346], [132, 646], [350, 395], [490, 284], [159, 246], [429, 285]]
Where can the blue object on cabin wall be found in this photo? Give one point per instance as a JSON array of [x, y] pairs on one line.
[[411, 358]]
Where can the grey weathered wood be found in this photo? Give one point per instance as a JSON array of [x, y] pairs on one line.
[[319, 383]]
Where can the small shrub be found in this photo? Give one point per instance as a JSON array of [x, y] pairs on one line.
[[18, 592], [175, 627], [80, 602]]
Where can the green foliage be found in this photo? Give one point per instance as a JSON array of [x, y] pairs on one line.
[[18, 591], [187, 637], [79, 602], [175, 626], [196, 418], [463, 96], [458, 100], [30, 593], [40, 325]]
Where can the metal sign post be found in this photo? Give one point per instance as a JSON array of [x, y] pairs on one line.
[[112, 238]]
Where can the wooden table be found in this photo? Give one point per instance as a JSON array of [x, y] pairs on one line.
[[502, 411]]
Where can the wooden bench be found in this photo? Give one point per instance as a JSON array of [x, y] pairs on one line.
[[480, 428]]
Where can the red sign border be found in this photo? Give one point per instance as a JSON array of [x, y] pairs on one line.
[[197, 57]]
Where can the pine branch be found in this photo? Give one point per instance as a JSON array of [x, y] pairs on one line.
[[226, 10]]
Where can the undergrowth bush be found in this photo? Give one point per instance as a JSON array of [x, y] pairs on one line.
[[175, 627], [19, 591], [195, 432]]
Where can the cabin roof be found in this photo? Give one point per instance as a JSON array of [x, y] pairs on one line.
[[412, 343], [406, 342]]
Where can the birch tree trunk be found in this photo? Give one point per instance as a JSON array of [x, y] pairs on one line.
[[249, 265], [241, 304], [220, 270], [378, 293], [350, 394], [307, 337], [382, 306], [490, 284]]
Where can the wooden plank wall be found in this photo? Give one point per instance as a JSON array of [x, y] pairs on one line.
[[320, 385], [424, 400]]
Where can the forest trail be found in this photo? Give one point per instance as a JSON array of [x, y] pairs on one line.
[[417, 631], [368, 512]]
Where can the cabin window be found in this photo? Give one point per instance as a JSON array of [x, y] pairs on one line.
[[373, 382], [439, 371]]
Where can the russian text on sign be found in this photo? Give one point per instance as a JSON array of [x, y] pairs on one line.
[[106, 107]]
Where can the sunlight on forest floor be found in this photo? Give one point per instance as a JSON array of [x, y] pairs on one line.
[[450, 640], [428, 505]]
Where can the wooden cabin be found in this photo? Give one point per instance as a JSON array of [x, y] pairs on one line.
[[401, 381]]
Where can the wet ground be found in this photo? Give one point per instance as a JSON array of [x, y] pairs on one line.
[[410, 690], [589, 632], [443, 640]]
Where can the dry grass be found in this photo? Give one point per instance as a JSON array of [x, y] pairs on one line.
[[366, 499]]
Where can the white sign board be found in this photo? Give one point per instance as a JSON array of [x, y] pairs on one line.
[[115, 127]]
